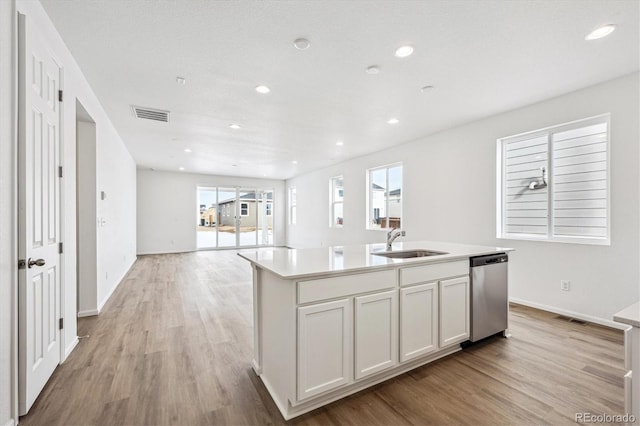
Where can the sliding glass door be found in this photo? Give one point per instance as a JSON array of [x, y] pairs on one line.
[[264, 207], [207, 218], [234, 217]]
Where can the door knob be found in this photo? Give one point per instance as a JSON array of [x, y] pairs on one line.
[[37, 262]]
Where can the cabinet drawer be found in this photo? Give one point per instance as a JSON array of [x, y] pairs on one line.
[[346, 285], [433, 272]]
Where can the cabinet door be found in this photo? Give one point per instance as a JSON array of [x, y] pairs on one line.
[[376, 339], [454, 311], [324, 347], [418, 320]]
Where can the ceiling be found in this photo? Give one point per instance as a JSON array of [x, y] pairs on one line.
[[482, 57]]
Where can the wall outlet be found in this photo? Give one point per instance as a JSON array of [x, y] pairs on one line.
[[565, 285]]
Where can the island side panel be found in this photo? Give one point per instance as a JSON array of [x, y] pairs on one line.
[[257, 341], [277, 335]]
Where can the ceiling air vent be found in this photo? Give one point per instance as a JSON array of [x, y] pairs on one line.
[[150, 114]]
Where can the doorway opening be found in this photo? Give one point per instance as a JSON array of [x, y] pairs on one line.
[[230, 217], [86, 213]]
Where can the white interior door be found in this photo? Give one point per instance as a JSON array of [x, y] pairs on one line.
[[39, 215]]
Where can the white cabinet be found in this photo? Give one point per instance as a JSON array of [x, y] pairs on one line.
[[418, 320], [454, 311], [376, 333], [324, 347]]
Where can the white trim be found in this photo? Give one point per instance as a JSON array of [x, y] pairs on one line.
[[147, 253], [572, 314], [88, 313], [10, 423], [70, 348], [106, 299]]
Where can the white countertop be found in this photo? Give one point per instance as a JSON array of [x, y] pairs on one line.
[[304, 263], [630, 315]]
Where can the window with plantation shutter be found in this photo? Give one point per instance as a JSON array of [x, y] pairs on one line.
[[553, 184]]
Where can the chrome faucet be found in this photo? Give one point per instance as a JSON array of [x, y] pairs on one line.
[[392, 235]]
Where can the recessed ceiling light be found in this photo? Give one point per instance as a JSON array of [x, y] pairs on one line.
[[426, 88], [180, 168], [234, 165], [393, 121], [234, 126], [181, 80], [301, 43], [404, 51], [339, 143], [373, 69], [262, 89], [295, 161], [603, 31], [187, 150]]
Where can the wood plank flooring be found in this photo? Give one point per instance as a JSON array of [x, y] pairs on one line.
[[173, 347]]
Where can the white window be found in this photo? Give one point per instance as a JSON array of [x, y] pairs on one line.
[[384, 197], [244, 209], [269, 208], [553, 184], [292, 206], [336, 200]]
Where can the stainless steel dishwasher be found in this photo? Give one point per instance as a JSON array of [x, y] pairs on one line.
[[489, 295]]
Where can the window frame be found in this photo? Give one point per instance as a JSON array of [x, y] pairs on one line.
[[244, 208], [332, 201], [369, 215], [292, 199], [501, 190]]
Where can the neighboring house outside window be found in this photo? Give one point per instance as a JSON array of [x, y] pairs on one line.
[[336, 202], [384, 197], [269, 209], [292, 206], [553, 183], [244, 209]]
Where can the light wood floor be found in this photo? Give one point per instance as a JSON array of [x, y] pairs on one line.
[[173, 346]]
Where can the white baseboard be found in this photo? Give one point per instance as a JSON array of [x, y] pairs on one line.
[[566, 313], [101, 304], [145, 253], [10, 423], [88, 313], [70, 348]]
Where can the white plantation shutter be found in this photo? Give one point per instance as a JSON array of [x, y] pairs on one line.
[[526, 211], [574, 207], [580, 190]]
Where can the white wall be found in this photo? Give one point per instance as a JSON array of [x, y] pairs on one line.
[[8, 257], [450, 195], [167, 208]]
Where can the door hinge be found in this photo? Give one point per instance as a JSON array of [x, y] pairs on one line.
[[60, 248], [60, 323], [22, 264], [59, 95], [60, 171]]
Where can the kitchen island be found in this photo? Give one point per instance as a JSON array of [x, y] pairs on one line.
[[332, 321]]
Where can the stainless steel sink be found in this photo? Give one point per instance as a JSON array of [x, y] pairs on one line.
[[407, 254]]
